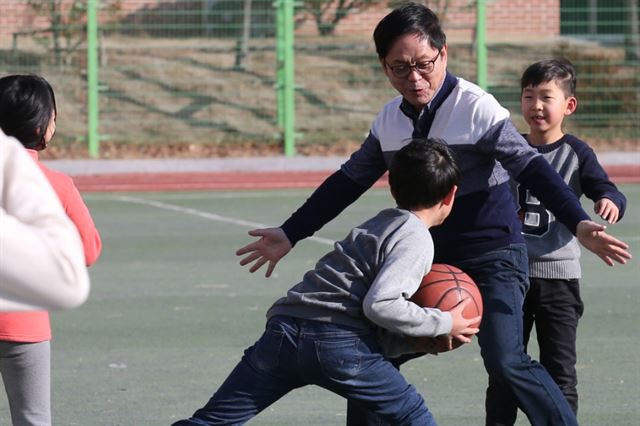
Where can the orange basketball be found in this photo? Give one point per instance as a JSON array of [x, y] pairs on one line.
[[444, 287]]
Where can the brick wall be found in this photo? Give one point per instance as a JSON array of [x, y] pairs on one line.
[[524, 17], [519, 18], [16, 16], [504, 17]]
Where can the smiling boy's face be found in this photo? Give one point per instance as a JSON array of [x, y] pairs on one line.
[[544, 107]]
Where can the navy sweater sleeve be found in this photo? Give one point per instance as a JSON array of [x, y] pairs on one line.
[[547, 185], [334, 195], [594, 181]]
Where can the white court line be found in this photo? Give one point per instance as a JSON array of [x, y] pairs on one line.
[[239, 195], [240, 222], [206, 215], [229, 195]]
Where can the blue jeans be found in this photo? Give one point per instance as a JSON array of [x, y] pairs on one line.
[[293, 353], [502, 277], [554, 307]]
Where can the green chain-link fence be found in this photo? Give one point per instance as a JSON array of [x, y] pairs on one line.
[[178, 75]]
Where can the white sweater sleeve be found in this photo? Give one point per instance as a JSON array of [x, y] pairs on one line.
[[41, 256]]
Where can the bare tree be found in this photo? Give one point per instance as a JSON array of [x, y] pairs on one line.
[[440, 7], [67, 24], [328, 13]]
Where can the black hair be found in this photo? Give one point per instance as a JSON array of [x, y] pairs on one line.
[[559, 70], [410, 18], [27, 103], [422, 173]]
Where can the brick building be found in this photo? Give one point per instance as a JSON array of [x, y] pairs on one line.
[[505, 18]]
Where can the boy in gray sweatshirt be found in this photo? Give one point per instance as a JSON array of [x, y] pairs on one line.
[[325, 330]]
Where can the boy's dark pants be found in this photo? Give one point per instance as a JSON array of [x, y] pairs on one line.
[[554, 307]]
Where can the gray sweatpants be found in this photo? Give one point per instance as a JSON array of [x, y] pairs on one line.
[[26, 372]]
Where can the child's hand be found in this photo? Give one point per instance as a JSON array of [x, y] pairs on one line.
[[462, 329], [607, 210]]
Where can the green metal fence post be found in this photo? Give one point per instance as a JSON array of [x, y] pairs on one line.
[[481, 44], [279, 64], [289, 79], [93, 135]]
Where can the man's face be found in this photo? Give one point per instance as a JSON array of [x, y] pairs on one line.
[[426, 68]]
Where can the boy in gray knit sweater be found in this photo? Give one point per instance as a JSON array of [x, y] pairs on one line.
[[325, 330], [553, 301]]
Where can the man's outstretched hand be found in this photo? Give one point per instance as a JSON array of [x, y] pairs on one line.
[[272, 246], [608, 248]]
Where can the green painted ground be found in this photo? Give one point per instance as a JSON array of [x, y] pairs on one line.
[[171, 311]]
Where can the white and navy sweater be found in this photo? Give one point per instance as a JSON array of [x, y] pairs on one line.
[[488, 149], [554, 253]]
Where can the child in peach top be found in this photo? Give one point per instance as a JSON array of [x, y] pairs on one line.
[[28, 113]]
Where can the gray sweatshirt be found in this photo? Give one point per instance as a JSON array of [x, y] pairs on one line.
[[368, 278], [554, 252]]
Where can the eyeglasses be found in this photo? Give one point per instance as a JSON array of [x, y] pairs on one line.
[[423, 68]]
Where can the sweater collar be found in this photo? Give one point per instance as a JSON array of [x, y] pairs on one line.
[[550, 146], [441, 94]]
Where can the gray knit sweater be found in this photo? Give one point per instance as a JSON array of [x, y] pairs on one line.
[[554, 253], [367, 279]]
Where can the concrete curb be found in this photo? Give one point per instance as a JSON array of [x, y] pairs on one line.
[[246, 164], [191, 165]]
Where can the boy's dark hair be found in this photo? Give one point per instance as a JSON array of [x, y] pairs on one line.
[[422, 173], [27, 103], [559, 70], [410, 18]]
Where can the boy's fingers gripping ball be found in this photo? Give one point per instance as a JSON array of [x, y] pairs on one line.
[[444, 287]]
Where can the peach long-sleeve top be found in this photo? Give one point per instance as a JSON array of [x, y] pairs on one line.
[[34, 326], [41, 257]]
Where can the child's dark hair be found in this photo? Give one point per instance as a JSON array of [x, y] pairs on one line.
[[559, 70], [27, 103], [422, 173], [410, 18]]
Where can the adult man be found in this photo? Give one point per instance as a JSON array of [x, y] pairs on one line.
[[482, 235]]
